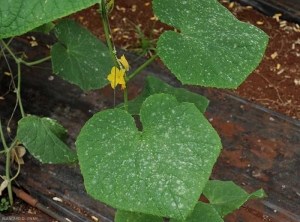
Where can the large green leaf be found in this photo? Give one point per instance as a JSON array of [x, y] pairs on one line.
[[213, 48], [225, 196], [155, 85], [161, 170], [43, 137], [203, 212], [80, 57], [20, 16], [126, 216]]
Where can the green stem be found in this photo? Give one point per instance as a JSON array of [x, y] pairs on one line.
[[107, 32], [10, 52], [35, 62], [111, 46], [2, 137], [138, 70], [17, 60], [7, 177], [9, 41], [19, 102], [7, 172], [7, 164], [19, 165], [19, 90]]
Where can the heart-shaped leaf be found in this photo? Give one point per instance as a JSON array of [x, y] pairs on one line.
[[126, 216], [226, 196], [80, 57], [43, 137], [161, 170], [155, 85], [213, 48], [21, 16]]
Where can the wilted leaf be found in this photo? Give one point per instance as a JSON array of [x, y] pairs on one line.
[[17, 154], [3, 184]]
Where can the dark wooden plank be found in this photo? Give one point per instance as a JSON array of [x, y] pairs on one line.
[[290, 9]]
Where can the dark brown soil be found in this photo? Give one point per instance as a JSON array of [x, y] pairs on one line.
[[275, 83]]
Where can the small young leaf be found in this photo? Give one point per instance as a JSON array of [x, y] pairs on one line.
[[80, 57], [225, 196], [213, 48], [155, 85], [159, 171], [43, 137], [4, 204], [21, 16], [126, 216], [202, 212]]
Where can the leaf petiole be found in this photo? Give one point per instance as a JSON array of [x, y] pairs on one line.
[[138, 70], [35, 62], [103, 12]]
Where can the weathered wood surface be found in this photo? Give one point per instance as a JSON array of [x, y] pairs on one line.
[[290, 9]]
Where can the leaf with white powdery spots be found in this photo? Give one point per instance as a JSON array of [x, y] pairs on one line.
[[43, 137], [80, 57], [21, 16], [161, 170], [213, 48]]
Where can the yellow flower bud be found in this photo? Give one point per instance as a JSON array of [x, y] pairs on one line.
[[124, 62]]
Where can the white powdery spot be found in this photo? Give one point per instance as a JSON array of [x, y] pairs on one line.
[[181, 190]]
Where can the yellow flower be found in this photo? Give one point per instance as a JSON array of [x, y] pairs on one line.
[[124, 62], [116, 77]]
